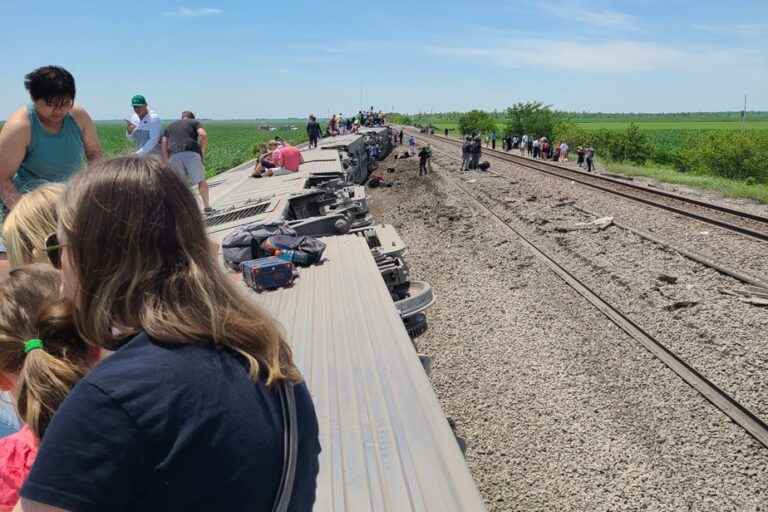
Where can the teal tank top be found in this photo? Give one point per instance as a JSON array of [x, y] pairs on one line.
[[50, 157]]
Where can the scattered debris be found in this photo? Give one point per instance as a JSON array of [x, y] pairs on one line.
[[601, 224], [681, 304], [667, 279], [755, 295], [531, 198]]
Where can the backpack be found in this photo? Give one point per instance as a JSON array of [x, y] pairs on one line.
[[244, 243]]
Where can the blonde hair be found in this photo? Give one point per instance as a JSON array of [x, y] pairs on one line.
[[30, 308], [156, 273], [30, 222]]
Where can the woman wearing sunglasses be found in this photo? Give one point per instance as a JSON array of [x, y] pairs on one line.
[[184, 414], [45, 141], [25, 231]]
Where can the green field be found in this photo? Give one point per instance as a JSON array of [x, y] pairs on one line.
[[649, 126], [230, 143], [674, 125]]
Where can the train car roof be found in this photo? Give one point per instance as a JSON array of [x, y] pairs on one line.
[[386, 444], [341, 141]]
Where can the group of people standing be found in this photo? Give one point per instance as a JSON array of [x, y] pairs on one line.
[[139, 371], [471, 151], [542, 149], [339, 125]]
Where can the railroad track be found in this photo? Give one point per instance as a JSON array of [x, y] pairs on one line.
[[743, 223], [718, 397]]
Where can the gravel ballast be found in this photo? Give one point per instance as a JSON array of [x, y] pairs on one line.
[[561, 410]]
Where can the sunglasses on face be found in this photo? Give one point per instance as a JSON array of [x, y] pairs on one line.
[[53, 250]]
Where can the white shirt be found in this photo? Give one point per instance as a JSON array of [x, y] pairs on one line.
[[147, 133]]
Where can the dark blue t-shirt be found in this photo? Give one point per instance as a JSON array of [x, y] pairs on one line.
[[174, 428]]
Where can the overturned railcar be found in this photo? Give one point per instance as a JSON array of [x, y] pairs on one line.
[[386, 442]]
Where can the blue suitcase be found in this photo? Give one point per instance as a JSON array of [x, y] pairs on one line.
[[267, 273]]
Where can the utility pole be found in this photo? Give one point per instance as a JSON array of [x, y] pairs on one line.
[[744, 114]]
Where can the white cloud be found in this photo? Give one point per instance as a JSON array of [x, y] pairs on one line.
[[605, 57], [745, 30], [185, 12], [603, 18]]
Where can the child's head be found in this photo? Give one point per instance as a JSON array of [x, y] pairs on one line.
[[30, 222], [42, 377]]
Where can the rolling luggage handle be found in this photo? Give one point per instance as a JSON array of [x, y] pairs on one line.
[[290, 446]]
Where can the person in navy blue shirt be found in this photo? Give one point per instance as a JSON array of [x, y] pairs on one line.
[[184, 415]]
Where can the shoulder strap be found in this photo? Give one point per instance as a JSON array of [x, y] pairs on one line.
[[290, 446]]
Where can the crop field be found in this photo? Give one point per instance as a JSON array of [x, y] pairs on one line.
[[230, 143], [647, 126]]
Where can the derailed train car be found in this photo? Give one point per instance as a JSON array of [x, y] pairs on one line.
[[386, 444]]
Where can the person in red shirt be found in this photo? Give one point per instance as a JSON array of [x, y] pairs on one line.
[[41, 359], [288, 157]]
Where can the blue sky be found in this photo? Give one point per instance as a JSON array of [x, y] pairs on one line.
[[244, 59]]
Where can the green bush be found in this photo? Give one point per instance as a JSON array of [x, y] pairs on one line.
[[533, 118], [730, 154], [476, 122]]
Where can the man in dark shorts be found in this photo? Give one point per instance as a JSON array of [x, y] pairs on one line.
[[183, 145]]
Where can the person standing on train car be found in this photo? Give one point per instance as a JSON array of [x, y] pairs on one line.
[[144, 127], [183, 147], [45, 141], [313, 131]]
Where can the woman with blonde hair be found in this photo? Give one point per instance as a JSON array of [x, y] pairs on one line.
[[42, 357], [29, 223], [200, 407]]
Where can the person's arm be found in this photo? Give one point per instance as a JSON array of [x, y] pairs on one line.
[[130, 129], [164, 149], [155, 131], [90, 136], [14, 139], [202, 140]]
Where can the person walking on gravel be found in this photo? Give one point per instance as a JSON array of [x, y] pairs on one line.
[[466, 153], [401, 136], [313, 131], [589, 155], [144, 128], [411, 145], [424, 155], [564, 151], [493, 140], [580, 156], [536, 147], [183, 146], [477, 151]]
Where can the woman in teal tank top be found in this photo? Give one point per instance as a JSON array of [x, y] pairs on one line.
[[45, 142], [50, 157]]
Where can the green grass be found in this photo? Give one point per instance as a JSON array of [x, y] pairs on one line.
[[230, 143], [726, 187]]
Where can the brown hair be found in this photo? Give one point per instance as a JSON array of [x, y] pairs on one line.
[[136, 240], [187, 115], [30, 308], [30, 222]]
